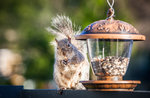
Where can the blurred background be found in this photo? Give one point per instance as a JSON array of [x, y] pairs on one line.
[[27, 58]]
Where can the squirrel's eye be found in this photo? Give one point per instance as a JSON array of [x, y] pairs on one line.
[[68, 45]]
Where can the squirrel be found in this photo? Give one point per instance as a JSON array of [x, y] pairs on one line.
[[71, 62]]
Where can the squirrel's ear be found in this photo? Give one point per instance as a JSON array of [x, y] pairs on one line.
[[56, 40], [69, 39]]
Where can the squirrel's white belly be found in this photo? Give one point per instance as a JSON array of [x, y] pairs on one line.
[[69, 77]]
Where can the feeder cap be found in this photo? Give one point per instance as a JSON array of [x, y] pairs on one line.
[[110, 29]]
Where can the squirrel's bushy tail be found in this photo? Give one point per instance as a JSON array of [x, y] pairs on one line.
[[62, 26]]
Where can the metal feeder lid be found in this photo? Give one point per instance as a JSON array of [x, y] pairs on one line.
[[110, 29]]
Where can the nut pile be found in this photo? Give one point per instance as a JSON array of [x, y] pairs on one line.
[[110, 65]]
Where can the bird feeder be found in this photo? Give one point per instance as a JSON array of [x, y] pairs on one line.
[[109, 44]]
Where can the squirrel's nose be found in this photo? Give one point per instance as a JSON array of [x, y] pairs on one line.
[[64, 53]]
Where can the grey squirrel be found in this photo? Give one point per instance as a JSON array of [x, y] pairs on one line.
[[71, 63]]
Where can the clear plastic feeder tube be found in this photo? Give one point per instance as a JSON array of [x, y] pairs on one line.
[[109, 57]]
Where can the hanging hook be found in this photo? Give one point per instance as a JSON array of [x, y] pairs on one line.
[[112, 4], [111, 12]]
